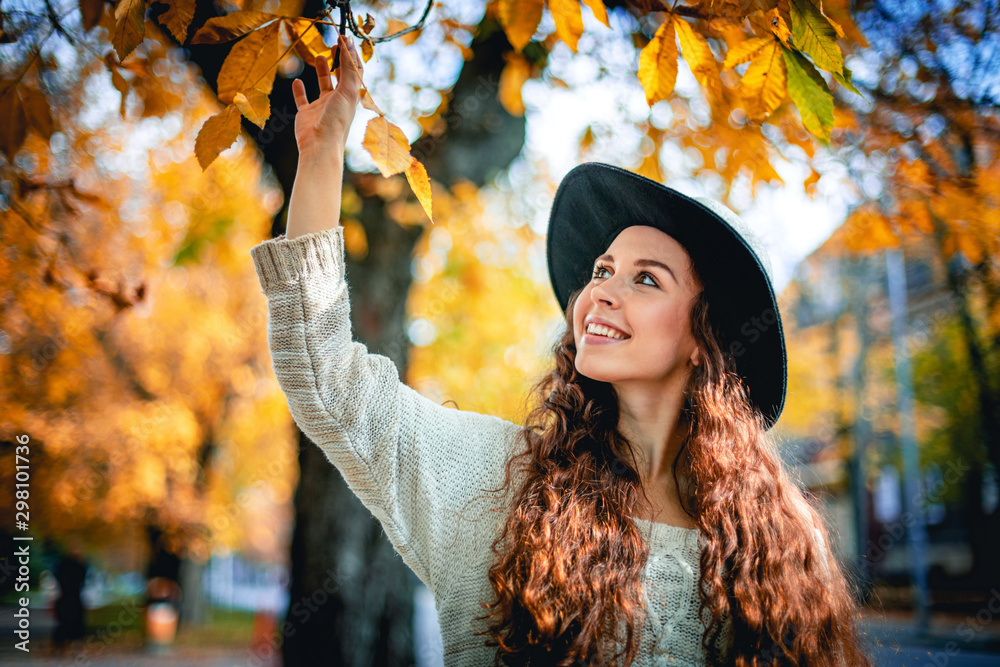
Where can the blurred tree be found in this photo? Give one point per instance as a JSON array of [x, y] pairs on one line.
[[146, 389]]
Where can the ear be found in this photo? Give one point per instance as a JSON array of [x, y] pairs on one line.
[[696, 356]]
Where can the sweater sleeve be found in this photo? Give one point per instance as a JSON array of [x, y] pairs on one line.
[[416, 465]]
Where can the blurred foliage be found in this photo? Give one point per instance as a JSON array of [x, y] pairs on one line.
[[134, 350], [755, 61], [486, 321]]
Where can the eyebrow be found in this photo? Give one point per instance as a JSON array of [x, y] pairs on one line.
[[643, 262]]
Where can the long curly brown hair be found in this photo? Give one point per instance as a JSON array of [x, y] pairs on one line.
[[566, 570]]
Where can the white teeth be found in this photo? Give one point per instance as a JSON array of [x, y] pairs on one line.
[[604, 331]]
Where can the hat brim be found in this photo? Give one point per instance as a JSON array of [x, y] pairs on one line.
[[596, 201]]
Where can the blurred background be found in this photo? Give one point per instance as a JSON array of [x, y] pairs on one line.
[[177, 515]]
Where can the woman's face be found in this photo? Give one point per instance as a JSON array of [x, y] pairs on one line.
[[649, 303]]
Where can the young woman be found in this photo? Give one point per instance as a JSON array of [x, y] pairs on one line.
[[641, 515]]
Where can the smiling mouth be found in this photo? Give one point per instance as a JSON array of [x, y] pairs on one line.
[[605, 332]]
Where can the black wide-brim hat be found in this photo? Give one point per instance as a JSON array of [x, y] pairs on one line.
[[596, 201]]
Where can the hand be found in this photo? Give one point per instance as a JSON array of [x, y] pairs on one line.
[[321, 126]]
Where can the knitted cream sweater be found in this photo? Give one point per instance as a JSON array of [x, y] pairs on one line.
[[420, 467]]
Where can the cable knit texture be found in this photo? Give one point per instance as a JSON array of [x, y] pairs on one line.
[[422, 468]]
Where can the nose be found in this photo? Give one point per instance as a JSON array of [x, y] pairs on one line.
[[606, 292]]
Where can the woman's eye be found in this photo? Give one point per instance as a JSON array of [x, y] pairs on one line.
[[599, 269]]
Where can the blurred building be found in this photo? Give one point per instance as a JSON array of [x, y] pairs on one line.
[[839, 430]]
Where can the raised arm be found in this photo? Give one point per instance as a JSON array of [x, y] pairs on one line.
[[419, 467]]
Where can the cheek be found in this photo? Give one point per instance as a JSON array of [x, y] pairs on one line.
[[667, 325], [579, 311]]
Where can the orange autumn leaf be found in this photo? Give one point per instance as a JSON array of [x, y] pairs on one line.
[[569, 21], [368, 103], [252, 63], [512, 78], [254, 105], [130, 26], [226, 28], [777, 25], [387, 145], [420, 183], [307, 40], [393, 26], [600, 11], [178, 18], [216, 135], [520, 19]]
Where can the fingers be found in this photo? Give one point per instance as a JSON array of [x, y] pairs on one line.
[[350, 71], [323, 74], [299, 93]]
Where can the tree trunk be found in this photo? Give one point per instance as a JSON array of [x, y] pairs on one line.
[[351, 597]]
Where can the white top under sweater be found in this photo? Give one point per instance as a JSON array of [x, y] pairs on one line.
[[421, 467]]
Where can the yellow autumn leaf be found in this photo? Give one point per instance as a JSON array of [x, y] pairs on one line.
[[368, 103], [699, 57], [252, 63], [395, 26], [254, 105], [600, 11], [216, 135], [569, 21], [776, 24], [763, 85], [226, 28], [130, 26], [520, 19], [367, 50], [512, 78], [744, 51], [307, 40], [420, 183], [837, 28], [387, 145], [658, 64], [177, 18]]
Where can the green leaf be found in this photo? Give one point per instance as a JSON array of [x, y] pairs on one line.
[[196, 241], [813, 34], [810, 93], [845, 80]]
